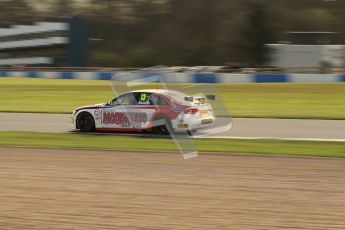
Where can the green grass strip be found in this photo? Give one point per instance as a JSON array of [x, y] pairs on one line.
[[271, 100], [122, 142]]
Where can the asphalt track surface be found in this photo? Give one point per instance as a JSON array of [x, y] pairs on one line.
[[295, 129], [84, 189]]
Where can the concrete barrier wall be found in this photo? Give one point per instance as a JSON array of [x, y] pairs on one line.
[[182, 77]]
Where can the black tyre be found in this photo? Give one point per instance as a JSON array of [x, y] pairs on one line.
[[191, 132], [162, 129], [85, 122]]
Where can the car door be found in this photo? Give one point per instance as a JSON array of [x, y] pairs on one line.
[[153, 105], [117, 114], [142, 114]]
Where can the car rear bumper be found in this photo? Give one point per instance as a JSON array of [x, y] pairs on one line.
[[195, 123]]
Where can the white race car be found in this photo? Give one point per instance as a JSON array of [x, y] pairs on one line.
[[147, 110]]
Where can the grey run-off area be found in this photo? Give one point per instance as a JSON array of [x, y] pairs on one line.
[[332, 130]]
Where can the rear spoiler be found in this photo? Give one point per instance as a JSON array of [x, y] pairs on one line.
[[209, 97]]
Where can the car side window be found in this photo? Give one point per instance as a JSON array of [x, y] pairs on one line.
[[117, 101], [139, 98], [157, 100], [126, 99], [129, 99], [143, 98]]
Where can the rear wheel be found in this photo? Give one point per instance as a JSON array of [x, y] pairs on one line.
[[85, 122], [191, 132], [162, 125]]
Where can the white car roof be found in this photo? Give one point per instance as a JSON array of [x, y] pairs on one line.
[[152, 90]]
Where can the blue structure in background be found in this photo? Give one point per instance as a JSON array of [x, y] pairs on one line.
[[206, 78], [32, 74], [66, 75], [342, 78], [262, 78], [104, 75]]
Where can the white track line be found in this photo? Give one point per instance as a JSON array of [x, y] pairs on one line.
[[270, 138]]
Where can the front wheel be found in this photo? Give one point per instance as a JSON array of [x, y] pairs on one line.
[[85, 122]]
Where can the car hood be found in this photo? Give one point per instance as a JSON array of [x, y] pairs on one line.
[[95, 106]]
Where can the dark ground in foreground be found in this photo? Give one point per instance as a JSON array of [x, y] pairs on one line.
[[82, 189]]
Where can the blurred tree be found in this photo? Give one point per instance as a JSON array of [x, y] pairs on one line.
[[187, 32], [180, 32], [16, 12], [63, 7], [314, 19], [257, 32]]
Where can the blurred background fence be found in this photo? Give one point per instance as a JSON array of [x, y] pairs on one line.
[[186, 76]]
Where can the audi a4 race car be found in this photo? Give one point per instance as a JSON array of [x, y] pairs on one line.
[[154, 110]]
